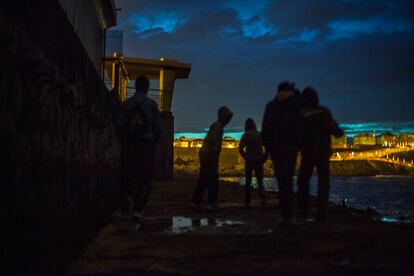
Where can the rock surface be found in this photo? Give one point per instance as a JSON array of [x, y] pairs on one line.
[[349, 241]]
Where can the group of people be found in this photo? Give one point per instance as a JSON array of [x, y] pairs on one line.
[[293, 121]]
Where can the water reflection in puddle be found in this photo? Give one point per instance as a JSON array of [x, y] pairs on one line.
[[182, 224], [389, 220], [220, 223]]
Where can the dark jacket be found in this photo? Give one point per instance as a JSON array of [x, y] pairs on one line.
[[251, 146], [212, 143], [318, 126], [282, 128]]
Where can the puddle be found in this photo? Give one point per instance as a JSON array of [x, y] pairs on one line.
[[401, 219], [389, 220], [181, 224], [184, 224], [221, 223]]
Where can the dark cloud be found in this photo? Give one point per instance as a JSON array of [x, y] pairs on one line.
[[358, 54]]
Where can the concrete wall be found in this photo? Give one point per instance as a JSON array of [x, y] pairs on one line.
[[165, 152], [83, 17], [59, 153]]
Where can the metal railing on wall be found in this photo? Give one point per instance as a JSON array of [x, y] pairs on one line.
[[152, 93]]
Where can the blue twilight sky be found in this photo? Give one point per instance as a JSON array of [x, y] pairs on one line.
[[357, 53]]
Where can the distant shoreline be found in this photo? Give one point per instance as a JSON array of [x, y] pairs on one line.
[[351, 129], [338, 168]]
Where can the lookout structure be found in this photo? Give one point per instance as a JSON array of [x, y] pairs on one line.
[[121, 70]]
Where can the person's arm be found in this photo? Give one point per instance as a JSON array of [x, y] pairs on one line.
[[301, 132], [264, 150], [266, 128], [333, 126], [242, 145], [212, 142], [216, 133]]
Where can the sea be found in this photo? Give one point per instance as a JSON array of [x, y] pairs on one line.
[[390, 196]]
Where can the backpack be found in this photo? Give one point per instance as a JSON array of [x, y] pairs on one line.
[[137, 121]]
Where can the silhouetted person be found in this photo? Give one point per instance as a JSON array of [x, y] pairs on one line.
[[318, 126], [141, 132], [209, 162], [281, 135], [252, 150]]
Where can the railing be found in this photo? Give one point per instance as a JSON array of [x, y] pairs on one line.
[[152, 93]]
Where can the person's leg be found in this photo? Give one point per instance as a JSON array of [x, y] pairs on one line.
[[131, 168], [127, 179], [145, 172], [247, 185], [201, 183], [305, 173], [285, 168], [322, 166], [291, 164], [279, 165], [213, 183], [259, 176]]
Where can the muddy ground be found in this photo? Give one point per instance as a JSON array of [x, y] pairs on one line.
[[239, 241]]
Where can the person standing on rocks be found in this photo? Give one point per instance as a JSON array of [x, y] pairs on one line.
[[252, 150], [141, 131], [318, 126], [208, 178], [281, 136]]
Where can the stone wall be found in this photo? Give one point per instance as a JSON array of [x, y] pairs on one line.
[[59, 152]]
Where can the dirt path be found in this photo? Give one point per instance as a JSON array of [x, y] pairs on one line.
[[254, 244]]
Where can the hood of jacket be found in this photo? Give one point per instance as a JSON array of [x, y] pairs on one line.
[[224, 115]]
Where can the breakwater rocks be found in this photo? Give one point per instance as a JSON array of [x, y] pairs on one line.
[[368, 168]]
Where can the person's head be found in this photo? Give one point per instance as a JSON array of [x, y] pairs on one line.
[[224, 115], [309, 97], [285, 90], [142, 85], [249, 125]]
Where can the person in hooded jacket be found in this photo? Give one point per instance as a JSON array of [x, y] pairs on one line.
[[252, 150], [208, 178], [318, 126], [281, 133]]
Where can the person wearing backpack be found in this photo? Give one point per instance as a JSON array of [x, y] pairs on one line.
[[141, 131], [252, 150]]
